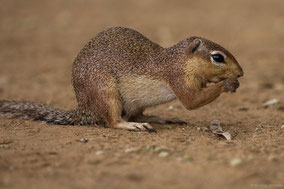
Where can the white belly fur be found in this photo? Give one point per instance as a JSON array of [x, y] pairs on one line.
[[139, 92]]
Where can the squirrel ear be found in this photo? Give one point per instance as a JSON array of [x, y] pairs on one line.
[[193, 46]]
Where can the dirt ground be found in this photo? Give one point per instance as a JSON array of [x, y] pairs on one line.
[[38, 43]]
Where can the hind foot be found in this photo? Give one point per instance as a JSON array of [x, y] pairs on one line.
[[133, 126]]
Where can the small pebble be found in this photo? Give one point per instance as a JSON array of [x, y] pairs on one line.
[[83, 140], [170, 107], [205, 129], [99, 152], [164, 154], [131, 149], [4, 146], [235, 162], [148, 148], [271, 102], [282, 127], [272, 157], [161, 149], [168, 127]]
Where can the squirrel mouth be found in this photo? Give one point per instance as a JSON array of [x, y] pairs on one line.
[[215, 80], [210, 81]]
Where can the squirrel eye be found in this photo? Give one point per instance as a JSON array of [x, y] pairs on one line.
[[218, 58]]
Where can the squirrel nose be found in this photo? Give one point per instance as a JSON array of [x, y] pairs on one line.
[[241, 74]]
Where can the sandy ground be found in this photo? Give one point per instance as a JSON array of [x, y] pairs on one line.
[[38, 43]]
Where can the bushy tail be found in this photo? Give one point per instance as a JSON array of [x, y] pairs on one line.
[[37, 112]]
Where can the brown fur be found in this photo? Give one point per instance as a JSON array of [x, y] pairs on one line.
[[120, 72]]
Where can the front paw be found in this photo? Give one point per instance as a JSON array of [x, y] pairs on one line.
[[231, 85]]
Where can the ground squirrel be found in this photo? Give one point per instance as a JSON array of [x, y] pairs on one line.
[[119, 73]]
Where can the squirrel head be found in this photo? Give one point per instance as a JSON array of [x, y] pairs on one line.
[[208, 61]]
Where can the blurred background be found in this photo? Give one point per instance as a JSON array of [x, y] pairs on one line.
[[40, 39]]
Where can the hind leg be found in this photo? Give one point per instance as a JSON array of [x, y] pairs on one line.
[[102, 98]]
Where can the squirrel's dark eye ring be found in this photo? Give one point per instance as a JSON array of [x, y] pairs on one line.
[[218, 58]]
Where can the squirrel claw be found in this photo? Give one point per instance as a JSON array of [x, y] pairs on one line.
[[144, 127], [141, 127], [134, 126]]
